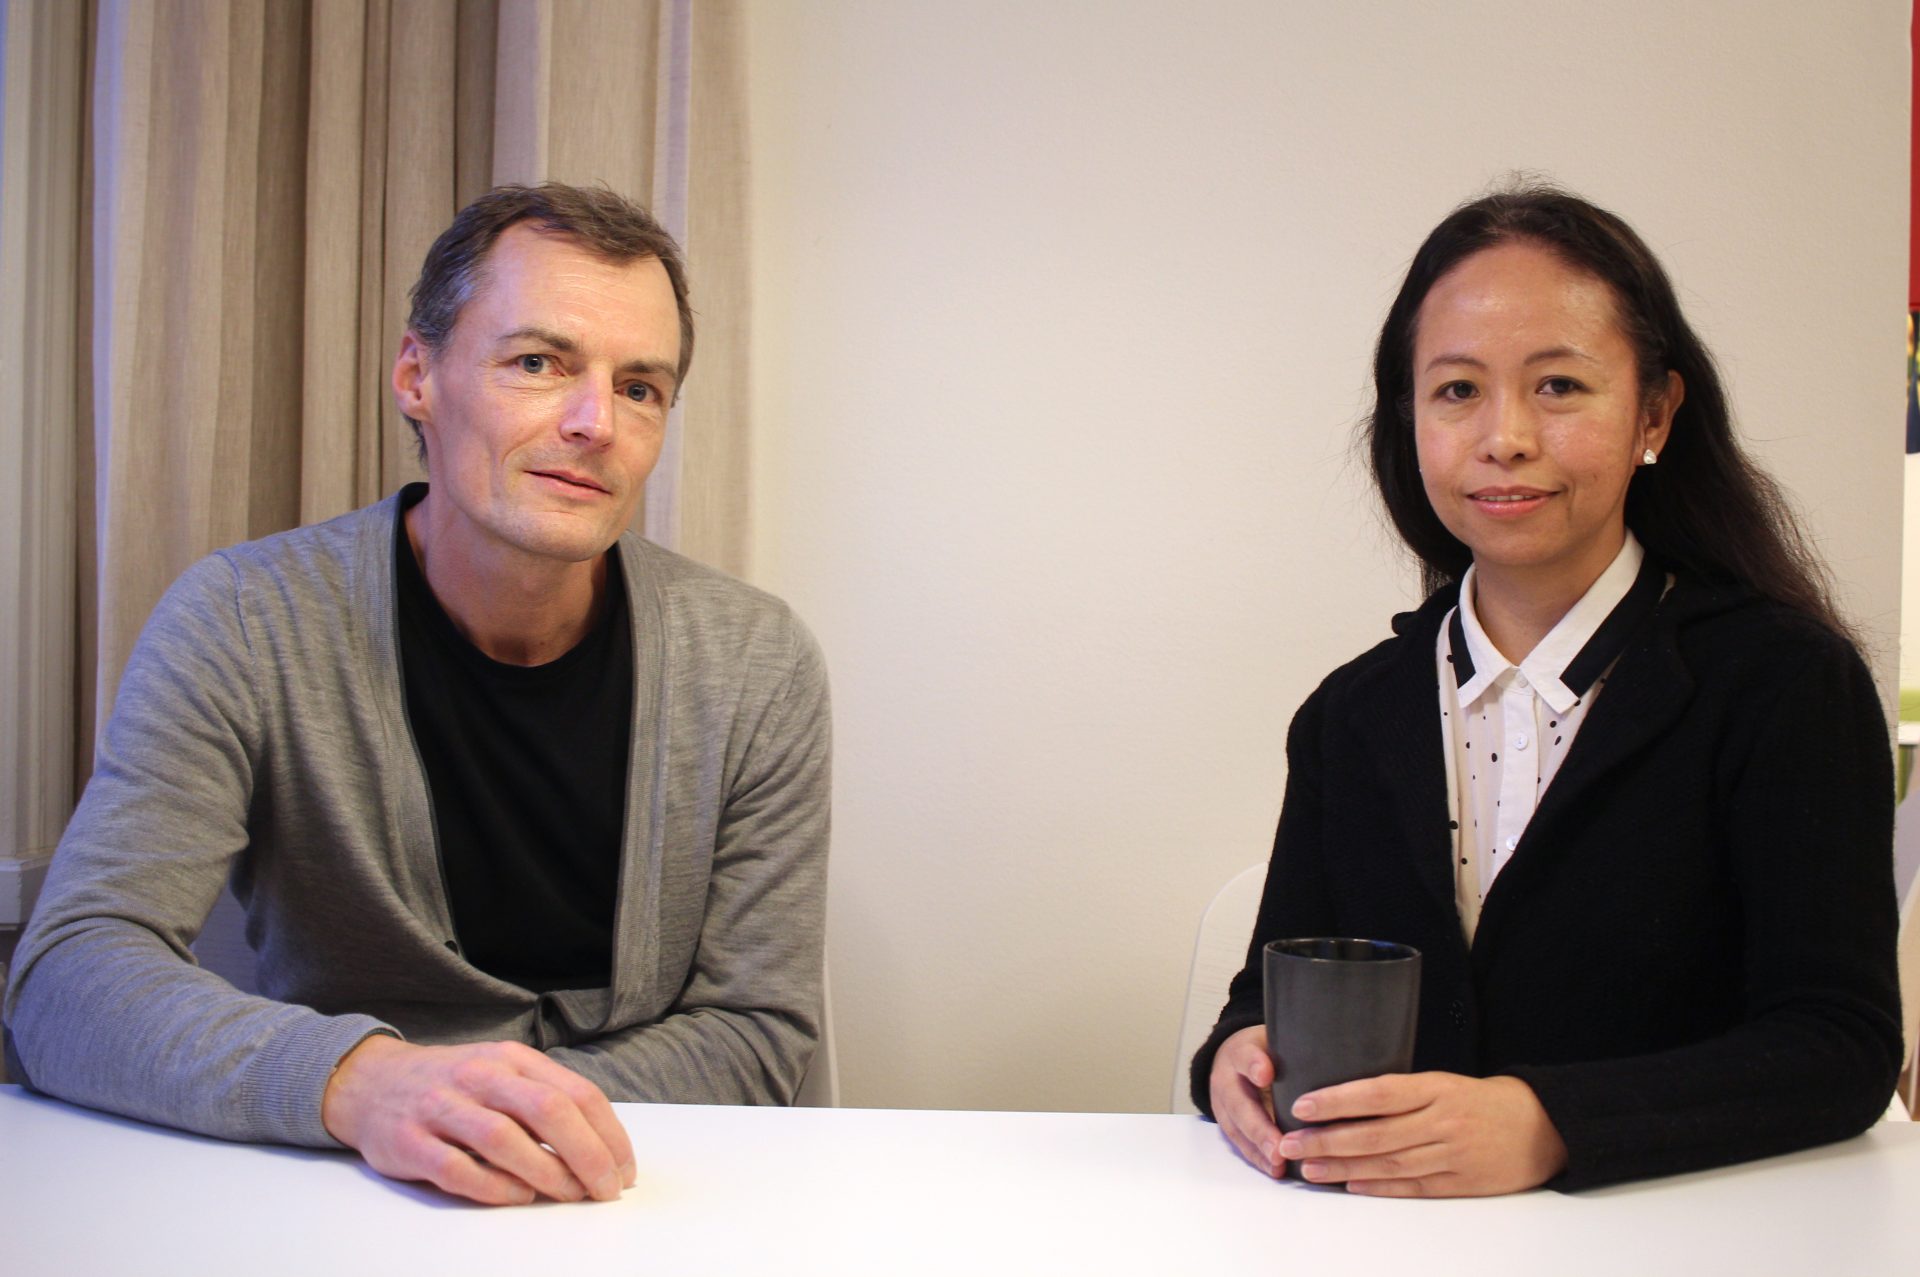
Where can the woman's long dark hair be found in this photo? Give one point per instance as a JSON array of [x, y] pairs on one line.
[[1706, 510]]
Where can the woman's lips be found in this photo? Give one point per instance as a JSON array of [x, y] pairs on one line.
[[1508, 503]]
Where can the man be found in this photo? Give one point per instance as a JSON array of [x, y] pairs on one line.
[[525, 812]]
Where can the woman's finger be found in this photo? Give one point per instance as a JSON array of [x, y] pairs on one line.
[[1402, 1163], [1380, 1096]]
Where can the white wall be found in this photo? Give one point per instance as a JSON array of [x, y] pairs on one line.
[[1062, 315]]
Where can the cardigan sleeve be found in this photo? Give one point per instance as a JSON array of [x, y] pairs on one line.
[[1807, 814], [1294, 902], [744, 1027], [106, 1006]]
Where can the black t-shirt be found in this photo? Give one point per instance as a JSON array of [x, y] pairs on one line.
[[527, 770]]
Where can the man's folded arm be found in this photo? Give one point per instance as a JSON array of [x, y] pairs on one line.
[[106, 1006], [746, 1023]]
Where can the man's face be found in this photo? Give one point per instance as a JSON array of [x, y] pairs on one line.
[[545, 412]]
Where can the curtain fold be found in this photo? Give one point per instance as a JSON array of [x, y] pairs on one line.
[[648, 97], [715, 463], [43, 110], [660, 515], [198, 246], [249, 187], [340, 416]]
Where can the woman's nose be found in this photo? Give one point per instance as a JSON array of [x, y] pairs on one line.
[[1511, 430]]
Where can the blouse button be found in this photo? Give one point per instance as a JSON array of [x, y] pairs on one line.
[[1520, 740], [1512, 843]]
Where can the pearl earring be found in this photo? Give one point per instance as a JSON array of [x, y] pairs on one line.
[[1649, 458]]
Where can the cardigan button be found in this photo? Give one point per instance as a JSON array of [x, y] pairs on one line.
[[1458, 1014]]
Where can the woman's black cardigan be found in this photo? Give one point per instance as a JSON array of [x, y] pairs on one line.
[[1690, 957]]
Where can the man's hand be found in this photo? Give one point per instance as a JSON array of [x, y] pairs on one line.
[[497, 1122], [1427, 1135], [1242, 1103]]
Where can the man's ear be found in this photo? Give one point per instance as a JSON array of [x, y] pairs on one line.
[[412, 387]]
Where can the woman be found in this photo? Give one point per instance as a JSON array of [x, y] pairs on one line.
[[1623, 779]]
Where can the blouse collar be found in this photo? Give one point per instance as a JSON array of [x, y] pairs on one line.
[[1563, 666]]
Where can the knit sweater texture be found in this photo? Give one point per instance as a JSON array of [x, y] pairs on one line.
[[260, 736]]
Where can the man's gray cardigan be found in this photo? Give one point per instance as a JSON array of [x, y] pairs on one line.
[[260, 730]]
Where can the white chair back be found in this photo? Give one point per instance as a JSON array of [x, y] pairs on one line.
[[1219, 951], [1906, 877]]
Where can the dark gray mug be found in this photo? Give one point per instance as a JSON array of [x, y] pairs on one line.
[[1337, 1011]]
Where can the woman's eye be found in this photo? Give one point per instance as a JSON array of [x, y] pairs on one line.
[[1455, 391], [535, 364], [1559, 385]]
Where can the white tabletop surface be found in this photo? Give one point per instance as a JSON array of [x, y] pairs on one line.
[[783, 1191]]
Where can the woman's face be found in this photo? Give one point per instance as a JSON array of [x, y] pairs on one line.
[[1529, 418]]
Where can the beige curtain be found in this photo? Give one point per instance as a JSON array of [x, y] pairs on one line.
[[222, 204], [665, 122], [41, 138]]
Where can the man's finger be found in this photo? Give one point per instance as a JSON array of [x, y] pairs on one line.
[[505, 1144], [590, 1103], [427, 1158], [594, 1107], [460, 1174], [550, 1116]]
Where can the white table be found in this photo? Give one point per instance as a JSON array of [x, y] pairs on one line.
[[781, 1191]]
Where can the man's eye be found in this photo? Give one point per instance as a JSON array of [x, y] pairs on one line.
[[534, 364], [641, 392]]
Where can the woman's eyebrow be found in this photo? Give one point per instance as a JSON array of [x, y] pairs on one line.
[[1560, 352], [1537, 357]]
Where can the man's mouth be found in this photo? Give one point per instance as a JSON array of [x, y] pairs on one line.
[[570, 479]]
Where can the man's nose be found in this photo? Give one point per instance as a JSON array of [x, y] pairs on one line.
[[589, 412]]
